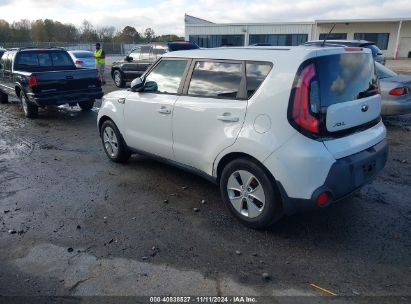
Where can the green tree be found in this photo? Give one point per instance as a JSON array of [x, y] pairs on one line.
[[4, 31], [149, 34]]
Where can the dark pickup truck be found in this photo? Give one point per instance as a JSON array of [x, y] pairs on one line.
[[142, 57], [42, 77]]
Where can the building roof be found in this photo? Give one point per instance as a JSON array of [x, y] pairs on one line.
[[195, 20], [363, 20]]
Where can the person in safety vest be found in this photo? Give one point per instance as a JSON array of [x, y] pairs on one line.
[[100, 57]]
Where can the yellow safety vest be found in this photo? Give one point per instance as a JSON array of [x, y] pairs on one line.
[[97, 56]]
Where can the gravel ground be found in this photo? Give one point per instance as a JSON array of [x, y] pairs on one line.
[[73, 223]]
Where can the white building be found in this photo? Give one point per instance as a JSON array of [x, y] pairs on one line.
[[393, 36]]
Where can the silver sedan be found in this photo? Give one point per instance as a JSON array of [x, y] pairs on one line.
[[83, 59], [395, 91]]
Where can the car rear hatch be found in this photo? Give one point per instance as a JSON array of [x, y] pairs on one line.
[[336, 100]]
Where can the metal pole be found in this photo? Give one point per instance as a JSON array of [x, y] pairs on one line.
[[397, 44]]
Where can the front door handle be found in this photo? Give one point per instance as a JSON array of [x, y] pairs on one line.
[[164, 110], [228, 118]]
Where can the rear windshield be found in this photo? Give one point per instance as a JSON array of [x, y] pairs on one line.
[[83, 54], [182, 46], [42, 60], [346, 77]]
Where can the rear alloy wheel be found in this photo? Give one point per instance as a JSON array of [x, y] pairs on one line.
[[86, 105], [4, 98], [113, 142], [30, 110], [118, 79], [250, 194]]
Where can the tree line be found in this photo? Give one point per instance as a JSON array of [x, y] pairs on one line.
[[47, 30]]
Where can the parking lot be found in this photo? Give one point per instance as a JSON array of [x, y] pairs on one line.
[[74, 223]]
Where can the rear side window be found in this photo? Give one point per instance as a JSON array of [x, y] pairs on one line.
[[216, 79], [256, 73], [165, 77], [346, 77], [43, 59]]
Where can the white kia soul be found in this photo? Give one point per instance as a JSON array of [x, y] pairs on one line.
[[279, 129]]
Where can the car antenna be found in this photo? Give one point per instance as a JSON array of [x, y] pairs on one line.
[[329, 33]]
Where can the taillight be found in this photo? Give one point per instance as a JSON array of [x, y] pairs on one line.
[[301, 103], [401, 91], [79, 62], [32, 81]]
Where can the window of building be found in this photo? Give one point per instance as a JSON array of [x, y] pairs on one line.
[[211, 41], [333, 36], [216, 80], [166, 76], [279, 39], [256, 72], [380, 39]]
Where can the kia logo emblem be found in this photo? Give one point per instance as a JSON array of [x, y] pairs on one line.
[[364, 108]]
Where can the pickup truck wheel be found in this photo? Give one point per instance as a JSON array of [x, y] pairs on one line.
[[4, 98], [86, 105], [30, 110], [250, 194], [118, 79], [113, 143]]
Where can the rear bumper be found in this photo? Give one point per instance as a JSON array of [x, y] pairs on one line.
[[64, 97], [345, 176], [395, 107]]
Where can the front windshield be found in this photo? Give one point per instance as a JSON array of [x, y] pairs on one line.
[[383, 72]]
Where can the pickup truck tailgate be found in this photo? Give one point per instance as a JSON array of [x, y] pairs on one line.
[[66, 80]]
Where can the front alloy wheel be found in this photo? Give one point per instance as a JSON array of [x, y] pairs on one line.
[[110, 142], [113, 143]]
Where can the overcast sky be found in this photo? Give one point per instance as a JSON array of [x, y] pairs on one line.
[[168, 16]]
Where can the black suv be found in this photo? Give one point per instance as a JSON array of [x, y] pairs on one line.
[[143, 56], [376, 52]]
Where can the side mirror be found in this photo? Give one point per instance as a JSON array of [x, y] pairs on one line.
[[137, 85], [128, 58]]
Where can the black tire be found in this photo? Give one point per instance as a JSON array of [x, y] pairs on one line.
[[118, 79], [86, 105], [30, 110], [122, 154], [4, 98], [270, 212]]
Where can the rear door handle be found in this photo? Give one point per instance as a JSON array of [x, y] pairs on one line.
[[228, 118], [164, 110]]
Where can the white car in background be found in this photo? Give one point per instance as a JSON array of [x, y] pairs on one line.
[[83, 59], [279, 129]]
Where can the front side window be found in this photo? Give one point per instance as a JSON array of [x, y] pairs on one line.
[[165, 77], [135, 54], [145, 52], [216, 79], [256, 73]]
